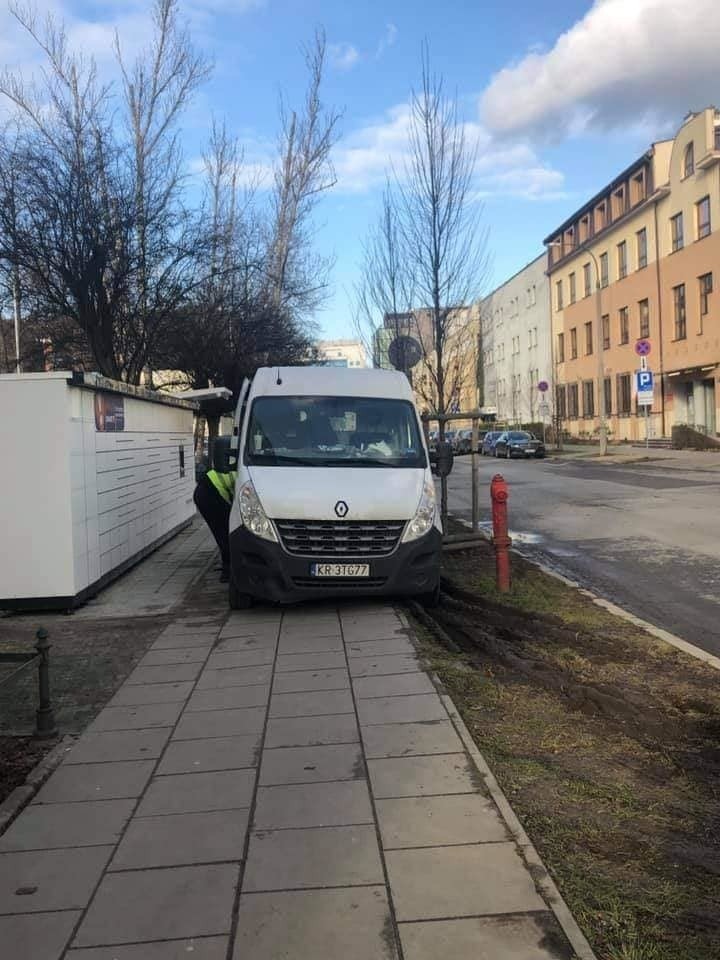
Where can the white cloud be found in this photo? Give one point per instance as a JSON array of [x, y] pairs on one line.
[[365, 157], [625, 62], [387, 40], [343, 56]]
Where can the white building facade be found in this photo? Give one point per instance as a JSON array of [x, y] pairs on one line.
[[516, 346], [342, 353]]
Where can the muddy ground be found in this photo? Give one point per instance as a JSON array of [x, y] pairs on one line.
[[606, 742]]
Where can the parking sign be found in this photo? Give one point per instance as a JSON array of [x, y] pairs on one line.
[[644, 387]]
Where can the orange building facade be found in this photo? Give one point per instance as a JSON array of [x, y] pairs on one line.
[[641, 260]]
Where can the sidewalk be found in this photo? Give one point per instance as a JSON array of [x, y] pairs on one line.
[[289, 786]]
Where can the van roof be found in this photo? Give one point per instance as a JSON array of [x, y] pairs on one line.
[[331, 382]]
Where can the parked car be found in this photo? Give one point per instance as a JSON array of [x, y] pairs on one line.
[[517, 443], [463, 441], [487, 447], [433, 436], [450, 436]]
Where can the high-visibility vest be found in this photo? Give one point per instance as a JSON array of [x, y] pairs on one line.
[[224, 483]]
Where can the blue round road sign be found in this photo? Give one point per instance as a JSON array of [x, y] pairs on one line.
[[543, 386], [643, 348]]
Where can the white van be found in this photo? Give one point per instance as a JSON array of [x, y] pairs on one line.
[[334, 494]]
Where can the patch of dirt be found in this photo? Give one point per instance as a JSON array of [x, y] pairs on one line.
[[18, 755], [607, 744]]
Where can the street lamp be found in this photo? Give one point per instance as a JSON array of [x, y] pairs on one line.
[[602, 413]]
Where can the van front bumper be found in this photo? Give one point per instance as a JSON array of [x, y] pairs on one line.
[[266, 571]]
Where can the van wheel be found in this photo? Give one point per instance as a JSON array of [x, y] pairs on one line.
[[432, 599], [236, 599]]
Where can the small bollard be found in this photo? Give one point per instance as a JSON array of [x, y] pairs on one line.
[[45, 718], [501, 541]]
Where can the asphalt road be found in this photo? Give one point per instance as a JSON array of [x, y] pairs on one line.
[[644, 535]]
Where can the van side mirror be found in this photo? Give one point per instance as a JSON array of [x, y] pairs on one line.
[[223, 459], [441, 459]]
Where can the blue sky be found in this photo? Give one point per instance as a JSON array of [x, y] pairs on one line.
[[559, 95]]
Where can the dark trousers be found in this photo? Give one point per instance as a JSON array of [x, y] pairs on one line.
[[215, 511]]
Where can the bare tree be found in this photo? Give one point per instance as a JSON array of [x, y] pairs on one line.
[[297, 279]]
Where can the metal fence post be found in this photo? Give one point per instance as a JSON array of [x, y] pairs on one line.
[[45, 718]]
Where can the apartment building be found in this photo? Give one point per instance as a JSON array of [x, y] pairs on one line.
[[516, 346], [342, 353], [639, 261]]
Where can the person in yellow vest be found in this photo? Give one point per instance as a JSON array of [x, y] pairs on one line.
[[213, 497]]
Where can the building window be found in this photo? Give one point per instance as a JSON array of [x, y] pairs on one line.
[[588, 398], [559, 294], [622, 260], [586, 279], [717, 138], [607, 389], [604, 275], [638, 187], [702, 216], [573, 343], [619, 203], [644, 309], [624, 316], [561, 402], [624, 393], [689, 160], [588, 339], [679, 307], [606, 332], [572, 401], [600, 217], [573, 295], [676, 232], [561, 348], [706, 288], [642, 248]]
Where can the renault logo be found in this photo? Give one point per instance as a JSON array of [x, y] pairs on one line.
[[341, 508]]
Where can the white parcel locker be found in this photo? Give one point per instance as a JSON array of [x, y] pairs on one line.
[[94, 475]]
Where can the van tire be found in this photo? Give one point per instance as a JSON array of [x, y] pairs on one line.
[[431, 600], [236, 599]]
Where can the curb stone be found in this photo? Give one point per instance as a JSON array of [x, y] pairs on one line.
[[18, 799]]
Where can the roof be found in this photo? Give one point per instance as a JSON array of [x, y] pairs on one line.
[[331, 382]]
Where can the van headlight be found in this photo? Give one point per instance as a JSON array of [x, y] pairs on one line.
[[252, 514], [424, 518]]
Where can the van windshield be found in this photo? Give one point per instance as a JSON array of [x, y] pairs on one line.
[[333, 432]]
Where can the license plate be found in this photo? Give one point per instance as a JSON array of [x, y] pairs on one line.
[[340, 570]]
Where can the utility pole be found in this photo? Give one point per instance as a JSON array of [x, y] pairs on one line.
[[16, 315]]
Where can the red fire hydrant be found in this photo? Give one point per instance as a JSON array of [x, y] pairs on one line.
[[501, 540]]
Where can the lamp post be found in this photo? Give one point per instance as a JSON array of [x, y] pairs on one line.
[[602, 413]]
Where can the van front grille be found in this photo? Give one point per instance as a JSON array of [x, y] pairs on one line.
[[328, 538], [339, 583]]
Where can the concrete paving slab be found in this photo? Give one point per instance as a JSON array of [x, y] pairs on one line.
[[182, 839], [234, 677], [313, 805], [376, 629], [326, 857], [383, 666], [137, 717], [160, 905], [128, 696], [444, 882], [198, 793], [176, 640], [352, 924], [290, 662], [307, 764], [391, 646], [205, 948], [314, 703], [398, 685], [241, 658], [246, 644], [167, 674], [242, 619], [118, 745], [46, 880], [309, 644], [172, 655], [219, 753], [228, 698], [535, 937], [312, 731], [305, 680], [38, 936], [410, 709], [71, 783], [410, 739], [439, 821], [422, 776], [220, 723], [49, 826]]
